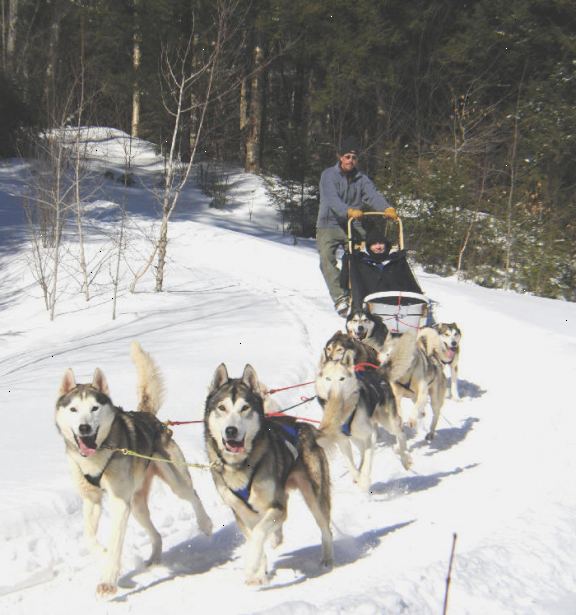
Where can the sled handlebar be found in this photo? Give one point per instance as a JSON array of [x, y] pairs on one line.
[[377, 213]]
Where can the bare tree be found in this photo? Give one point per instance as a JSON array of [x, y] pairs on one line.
[[136, 60], [472, 219], [119, 251], [78, 169], [47, 208], [513, 162], [179, 80]]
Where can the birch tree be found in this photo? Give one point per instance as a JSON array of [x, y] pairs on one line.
[[181, 74]]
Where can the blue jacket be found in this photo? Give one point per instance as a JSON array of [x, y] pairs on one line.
[[339, 191]]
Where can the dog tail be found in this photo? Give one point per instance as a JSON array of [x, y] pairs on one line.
[[150, 387], [401, 357]]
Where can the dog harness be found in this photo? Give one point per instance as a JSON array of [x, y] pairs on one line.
[[373, 393], [290, 434], [95, 480], [147, 423]]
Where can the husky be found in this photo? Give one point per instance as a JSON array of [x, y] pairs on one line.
[[413, 366], [340, 342], [366, 327], [95, 433], [354, 403], [450, 337], [256, 459]]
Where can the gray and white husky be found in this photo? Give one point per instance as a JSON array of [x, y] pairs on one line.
[[255, 459], [354, 404], [450, 339], [95, 432]]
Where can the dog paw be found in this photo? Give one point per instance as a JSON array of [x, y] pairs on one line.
[[364, 485], [105, 590], [205, 525], [327, 563], [429, 436], [153, 560], [257, 580], [406, 461]]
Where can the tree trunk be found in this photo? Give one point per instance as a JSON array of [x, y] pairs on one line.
[[254, 129], [53, 41], [136, 60], [512, 189], [9, 35], [162, 245], [472, 222]]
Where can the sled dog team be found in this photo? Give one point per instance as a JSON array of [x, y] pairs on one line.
[[254, 458]]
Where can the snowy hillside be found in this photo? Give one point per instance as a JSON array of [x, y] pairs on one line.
[[499, 473]]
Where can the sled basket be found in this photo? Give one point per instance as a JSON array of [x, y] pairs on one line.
[[400, 311], [389, 288]]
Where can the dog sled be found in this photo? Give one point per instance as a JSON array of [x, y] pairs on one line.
[[389, 288]]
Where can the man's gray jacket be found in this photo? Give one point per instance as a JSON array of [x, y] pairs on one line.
[[339, 191]]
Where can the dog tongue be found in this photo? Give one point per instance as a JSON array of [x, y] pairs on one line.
[[85, 450], [450, 353], [235, 447]]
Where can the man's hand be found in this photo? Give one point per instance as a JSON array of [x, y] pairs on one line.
[[355, 213], [390, 212]]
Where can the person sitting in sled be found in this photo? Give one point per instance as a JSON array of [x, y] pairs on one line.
[[345, 192], [376, 269], [373, 257]]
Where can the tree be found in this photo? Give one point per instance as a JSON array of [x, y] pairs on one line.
[[178, 80]]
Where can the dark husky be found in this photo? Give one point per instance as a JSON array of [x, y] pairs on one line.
[[341, 342], [95, 431], [367, 328], [255, 461]]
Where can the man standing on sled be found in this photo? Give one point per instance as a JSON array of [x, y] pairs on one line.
[[345, 192]]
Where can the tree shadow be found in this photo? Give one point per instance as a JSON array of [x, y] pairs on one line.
[[347, 550], [412, 484]]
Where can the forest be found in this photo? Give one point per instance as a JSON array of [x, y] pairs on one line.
[[465, 109]]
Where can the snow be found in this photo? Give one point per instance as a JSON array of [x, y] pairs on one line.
[[500, 473]]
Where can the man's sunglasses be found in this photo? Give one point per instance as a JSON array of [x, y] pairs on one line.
[[350, 157]]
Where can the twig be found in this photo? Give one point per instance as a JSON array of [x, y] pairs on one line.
[[448, 578]]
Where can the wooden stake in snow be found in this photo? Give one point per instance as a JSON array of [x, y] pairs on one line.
[[448, 577]]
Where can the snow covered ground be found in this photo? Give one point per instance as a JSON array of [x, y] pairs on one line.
[[500, 472]]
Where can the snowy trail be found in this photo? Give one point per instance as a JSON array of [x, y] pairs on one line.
[[499, 472]]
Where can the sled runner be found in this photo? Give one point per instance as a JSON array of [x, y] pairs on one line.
[[389, 288]]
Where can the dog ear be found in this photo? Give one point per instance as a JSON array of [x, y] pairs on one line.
[[99, 382], [220, 377], [68, 382], [250, 379], [348, 358]]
